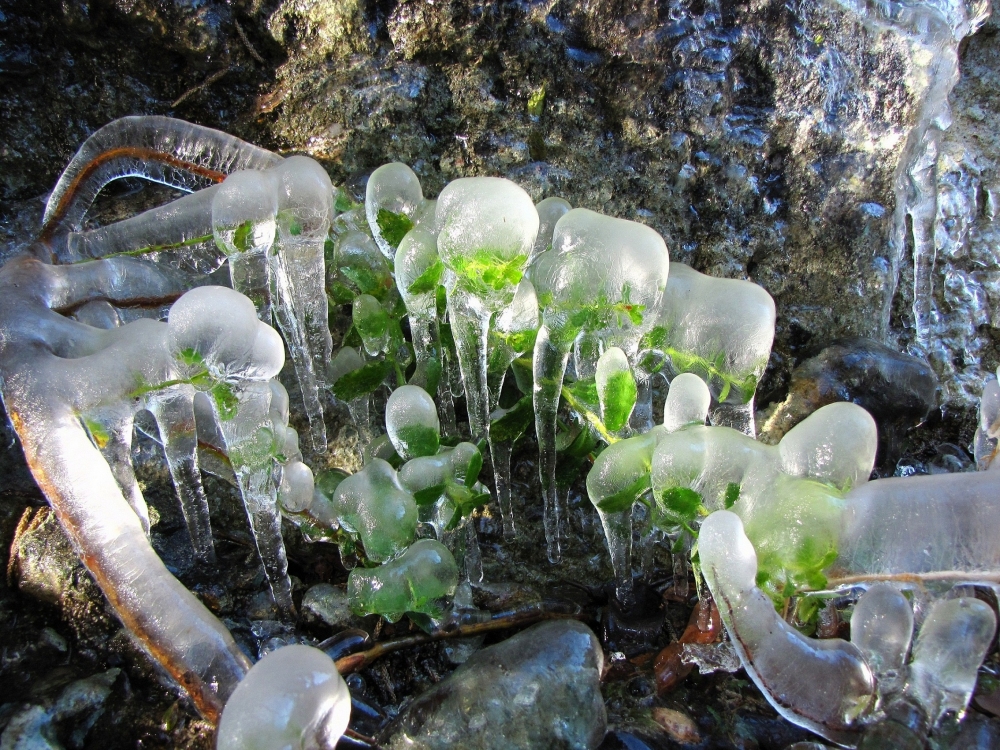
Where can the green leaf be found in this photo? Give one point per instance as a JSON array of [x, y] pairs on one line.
[[618, 400], [225, 400], [393, 226], [654, 339], [343, 202], [97, 431], [584, 391], [427, 281], [364, 279], [680, 504], [583, 444], [419, 440], [732, 495], [626, 497], [488, 271], [191, 357], [472, 470], [429, 495], [514, 422], [243, 237], [362, 381], [536, 101], [524, 377], [427, 374], [340, 294]]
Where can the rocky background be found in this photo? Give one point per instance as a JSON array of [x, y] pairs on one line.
[[814, 147]]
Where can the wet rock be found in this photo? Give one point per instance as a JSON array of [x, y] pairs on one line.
[[678, 725], [68, 719], [329, 604], [538, 689], [897, 389]]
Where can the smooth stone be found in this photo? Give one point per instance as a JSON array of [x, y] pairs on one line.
[[538, 689]]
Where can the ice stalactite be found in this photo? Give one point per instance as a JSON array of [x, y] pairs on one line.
[[601, 277]]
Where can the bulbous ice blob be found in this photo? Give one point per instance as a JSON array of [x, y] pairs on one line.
[[267, 356], [836, 444], [292, 699], [413, 582], [614, 269], [488, 226], [304, 191], [616, 389], [452, 473], [278, 409], [882, 627], [823, 685], [392, 200], [688, 401], [411, 421], [358, 262], [296, 491], [372, 323], [549, 211], [416, 267], [348, 359], [721, 330], [212, 326], [373, 505], [950, 648]]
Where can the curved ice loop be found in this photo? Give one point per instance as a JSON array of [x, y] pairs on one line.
[[823, 685], [602, 277], [292, 698], [161, 149], [719, 329], [512, 335], [71, 392]]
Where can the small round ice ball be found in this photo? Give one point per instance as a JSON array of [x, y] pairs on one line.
[[411, 420], [297, 485], [292, 699]]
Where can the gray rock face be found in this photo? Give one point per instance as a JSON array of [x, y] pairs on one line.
[[539, 689]]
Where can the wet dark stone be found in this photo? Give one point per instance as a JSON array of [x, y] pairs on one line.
[[897, 389], [637, 629], [538, 689]]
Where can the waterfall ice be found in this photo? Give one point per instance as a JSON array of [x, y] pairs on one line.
[[601, 276], [292, 698]]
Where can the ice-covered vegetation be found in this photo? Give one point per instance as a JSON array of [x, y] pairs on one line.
[[449, 298]]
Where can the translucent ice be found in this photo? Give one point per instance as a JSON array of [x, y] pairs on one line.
[[824, 685], [601, 276], [373, 505], [488, 227], [392, 203], [549, 211], [292, 699], [411, 421], [415, 581], [615, 388], [881, 627], [721, 330]]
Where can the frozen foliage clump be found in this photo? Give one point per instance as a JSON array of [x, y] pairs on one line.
[[292, 699], [416, 581]]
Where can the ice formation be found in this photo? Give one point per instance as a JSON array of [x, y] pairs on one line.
[[599, 278], [488, 283], [292, 699]]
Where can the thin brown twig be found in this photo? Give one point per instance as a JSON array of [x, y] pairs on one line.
[[360, 660], [991, 577], [204, 84], [246, 42]]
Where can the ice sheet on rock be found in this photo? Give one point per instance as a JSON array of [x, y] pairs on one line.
[[536, 690], [393, 201], [602, 276], [823, 685], [712, 657], [376, 507], [415, 581], [721, 330], [292, 698], [411, 421], [161, 149]]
